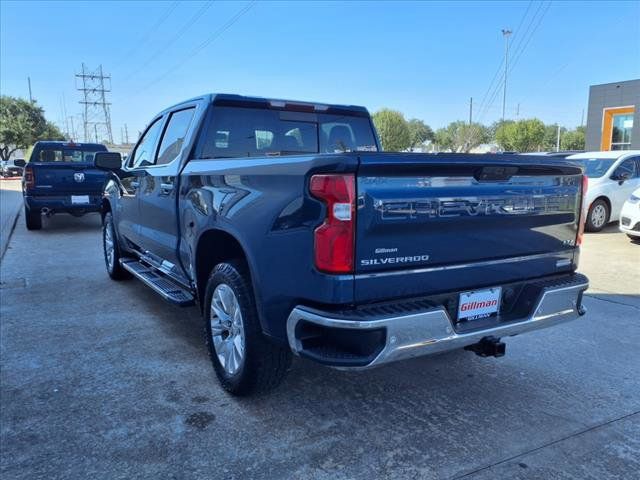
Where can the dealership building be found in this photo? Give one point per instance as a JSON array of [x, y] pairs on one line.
[[614, 110]]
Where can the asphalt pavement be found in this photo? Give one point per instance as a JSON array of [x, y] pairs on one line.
[[105, 380]]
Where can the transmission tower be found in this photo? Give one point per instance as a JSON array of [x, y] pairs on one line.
[[94, 86]]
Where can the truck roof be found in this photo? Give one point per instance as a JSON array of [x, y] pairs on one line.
[[276, 103]]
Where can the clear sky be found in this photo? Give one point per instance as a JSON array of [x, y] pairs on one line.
[[425, 59]]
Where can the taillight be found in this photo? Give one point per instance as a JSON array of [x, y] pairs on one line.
[[334, 239], [29, 180], [583, 208]]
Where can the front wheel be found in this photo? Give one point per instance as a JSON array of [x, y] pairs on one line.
[[111, 250], [245, 362], [598, 216], [33, 220]]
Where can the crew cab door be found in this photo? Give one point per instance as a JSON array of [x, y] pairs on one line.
[[128, 213], [158, 221]]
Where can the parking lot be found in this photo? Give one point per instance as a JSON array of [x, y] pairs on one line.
[[105, 380]]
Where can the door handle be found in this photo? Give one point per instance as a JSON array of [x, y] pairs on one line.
[[166, 188], [135, 184]]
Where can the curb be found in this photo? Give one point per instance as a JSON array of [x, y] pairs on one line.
[[5, 247]]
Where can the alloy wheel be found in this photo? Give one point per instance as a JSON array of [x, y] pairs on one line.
[[598, 216], [227, 329]]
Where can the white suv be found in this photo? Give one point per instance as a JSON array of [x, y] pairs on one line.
[[613, 176]]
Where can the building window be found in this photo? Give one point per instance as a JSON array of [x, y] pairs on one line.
[[617, 128], [622, 125]]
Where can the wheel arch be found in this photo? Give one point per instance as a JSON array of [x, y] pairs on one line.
[[105, 207], [215, 246], [603, 198]]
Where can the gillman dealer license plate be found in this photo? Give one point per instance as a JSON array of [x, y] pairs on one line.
[[79, 199], [479, 304]]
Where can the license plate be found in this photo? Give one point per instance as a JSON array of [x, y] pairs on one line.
[[479, 304], [79, 199]]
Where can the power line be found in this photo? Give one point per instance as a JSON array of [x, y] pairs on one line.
[[194, 18], [499, 69], [524, 42], [145, 37], [518, 55], [204, 44]]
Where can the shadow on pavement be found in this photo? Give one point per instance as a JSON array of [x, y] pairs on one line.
[[69, 224]]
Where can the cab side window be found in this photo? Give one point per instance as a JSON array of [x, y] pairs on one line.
[[145, 151], [174, 135]]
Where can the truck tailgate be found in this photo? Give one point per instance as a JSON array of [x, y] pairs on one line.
[[442, 222], [58, 178]]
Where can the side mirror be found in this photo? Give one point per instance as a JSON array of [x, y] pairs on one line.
[[107, 160], [621, 177], [20, 163]]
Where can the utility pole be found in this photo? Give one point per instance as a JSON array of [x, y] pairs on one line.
[[582, 118], [505, 34], [30, 96], [558, 140], [94, 99], [126, 134], [518, 110], [470, 110], [73, 129]]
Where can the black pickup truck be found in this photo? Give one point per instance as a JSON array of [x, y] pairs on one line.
[[295, 233]]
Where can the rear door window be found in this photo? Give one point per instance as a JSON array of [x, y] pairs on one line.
[[174, 135]]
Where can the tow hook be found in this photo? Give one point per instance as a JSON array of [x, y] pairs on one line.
[[488, 347]]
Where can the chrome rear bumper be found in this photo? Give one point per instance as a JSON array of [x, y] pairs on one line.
[[432, 330]]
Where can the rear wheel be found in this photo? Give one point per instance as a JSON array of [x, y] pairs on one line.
[[33, 220], [245, 362], [598, 216], [111, 250]]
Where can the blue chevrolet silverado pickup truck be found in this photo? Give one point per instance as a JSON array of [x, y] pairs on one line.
[[61, 178], [295, 233]]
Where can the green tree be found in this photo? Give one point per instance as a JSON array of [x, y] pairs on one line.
[[493, 128], [393, 130], [573, 140], [461, 137], [419, 132], [521, 136], [551, 137], [51, 132], [22, 123]]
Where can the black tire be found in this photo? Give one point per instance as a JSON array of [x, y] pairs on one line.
[[634, 238], [265, 364], [33, 220], [114, 269], [594, 217]]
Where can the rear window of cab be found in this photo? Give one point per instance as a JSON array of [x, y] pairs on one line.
[[63, 155]]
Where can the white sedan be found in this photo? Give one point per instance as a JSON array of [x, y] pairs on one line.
[[612, 178], [630, 216]]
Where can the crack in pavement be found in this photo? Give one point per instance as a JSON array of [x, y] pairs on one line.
[[554, 442], [594, 296]]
